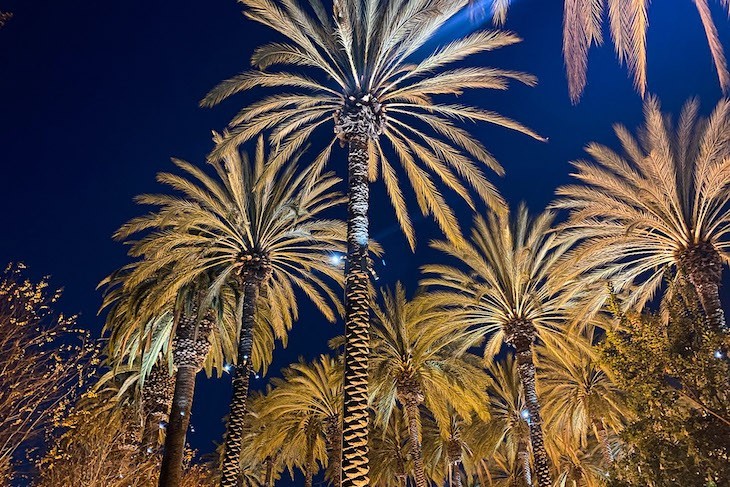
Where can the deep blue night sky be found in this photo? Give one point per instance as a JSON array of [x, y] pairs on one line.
[[98, 95]]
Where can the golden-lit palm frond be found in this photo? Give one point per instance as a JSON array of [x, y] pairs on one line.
[[366, 54], [637, 210], [505, 276], [628, 22], [219, 222], [579, 397], [413, 340]]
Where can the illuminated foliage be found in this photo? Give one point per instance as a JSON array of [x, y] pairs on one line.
[[45, 358]]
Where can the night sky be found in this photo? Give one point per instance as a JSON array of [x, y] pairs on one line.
[[98, 95]]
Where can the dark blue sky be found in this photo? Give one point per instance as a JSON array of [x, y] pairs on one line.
[[96, 96]]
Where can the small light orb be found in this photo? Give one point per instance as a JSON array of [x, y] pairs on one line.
[[227, 368], [525, 414], [718, 354], [162, 425]]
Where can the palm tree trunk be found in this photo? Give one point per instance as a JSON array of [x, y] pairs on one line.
[[526, 369], [413, 417], [523, 459], [309, 462], [171, 470], [157, 394], [602, 434], [269, 480], [334, 451], [237, 411], [190, 347], [703, 266], [355, 468], [521, 335], [454, 454]]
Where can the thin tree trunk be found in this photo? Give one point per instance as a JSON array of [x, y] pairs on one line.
[[523, 459], [334, 451], [269, 481], [413, 416], [454, 454], [171, 471], [603, 439], [309, 461], [355, 468], [526, 369], [237, 412]]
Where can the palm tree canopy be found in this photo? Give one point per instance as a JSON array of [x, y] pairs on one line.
[[220, 223], [363, 58], [415, 342], [507, 277], [637, 210], [628, 23]]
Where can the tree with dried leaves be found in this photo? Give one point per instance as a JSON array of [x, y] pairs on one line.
[[357, 70], [661, 204], [45, 358]]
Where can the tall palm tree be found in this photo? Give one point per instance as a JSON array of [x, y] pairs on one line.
[[360, 70], [663, 204], [419, 359], [308, 399], [579, 397], [256, 230], [508, 295], [628, 23]]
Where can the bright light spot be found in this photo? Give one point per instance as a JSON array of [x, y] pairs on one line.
[[192, 430], [227, 368], [162, 425], [525, 414], [182, 413], [718, 354], [256, 376], [336, 259], [149, 449]]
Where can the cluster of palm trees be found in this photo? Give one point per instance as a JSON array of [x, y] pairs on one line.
[[221, 262]]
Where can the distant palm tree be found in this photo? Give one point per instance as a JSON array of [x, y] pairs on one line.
[[507, 295], [360, 71], [419, 359], [258, 231], [579, 397], [306, 405], [628, 22], [662, 204]]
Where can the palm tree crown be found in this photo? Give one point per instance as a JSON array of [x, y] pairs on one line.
[[662, 203], [367, 82]]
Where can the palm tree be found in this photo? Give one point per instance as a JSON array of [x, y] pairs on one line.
[[661, 205], [306, 403], [419, 359], [256, 230], [509, 430], [509, 296], [389, 451], [358, 70], [628, 22], [579, 397]]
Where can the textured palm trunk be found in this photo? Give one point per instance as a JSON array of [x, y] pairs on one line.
[[523, 460], [521, 335], [703, 266], [309, 460], [190, 347], [603, 439], [410, 401], [230, 469], [157, 396], [334, 450], [355, 468], [454, 455], [269, 480]]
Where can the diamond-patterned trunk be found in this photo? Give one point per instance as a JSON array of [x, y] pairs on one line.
[[703, 266], [157, 395], [190, 348]]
